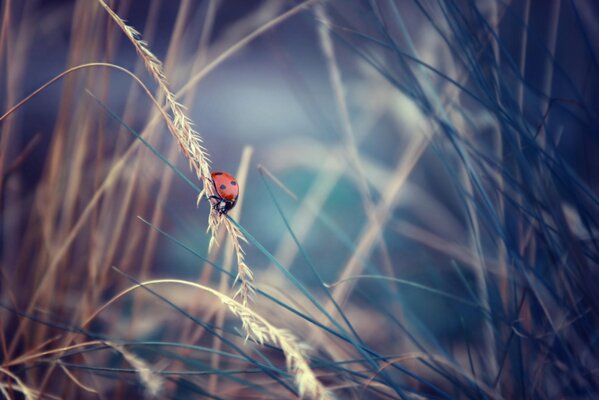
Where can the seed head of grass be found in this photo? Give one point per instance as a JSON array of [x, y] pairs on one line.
[[260, 330], [191, 144]]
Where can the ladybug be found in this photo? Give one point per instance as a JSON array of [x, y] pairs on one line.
[[227, 191]]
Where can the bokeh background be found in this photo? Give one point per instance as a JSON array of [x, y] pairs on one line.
[[434, 163]]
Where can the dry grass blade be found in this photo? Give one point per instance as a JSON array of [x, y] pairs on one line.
[[490, 392], [190, 143], [87, 212], [241, 176], [75, 380], [27, 393], [31, 357], [368, 237]]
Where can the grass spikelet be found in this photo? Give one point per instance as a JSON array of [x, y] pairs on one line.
[[188, 138], [245, 275], [190, 142], [259, 329], [150, 379]]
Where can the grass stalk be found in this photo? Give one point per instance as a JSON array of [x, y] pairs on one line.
[[262, 331], [191, 144]]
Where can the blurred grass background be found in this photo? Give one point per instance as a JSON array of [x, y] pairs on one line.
[[428, 174]]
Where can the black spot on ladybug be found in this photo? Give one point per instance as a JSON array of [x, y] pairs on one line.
[[223, 187], [218, 173], [233, 183]]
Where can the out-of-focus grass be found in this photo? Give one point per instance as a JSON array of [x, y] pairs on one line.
[[421, 207]]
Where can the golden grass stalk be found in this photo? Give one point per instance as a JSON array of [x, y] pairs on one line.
[[351, 146], [109, 181], [74, 379], [371, 232], [245, 276], [241, 176], [27, 392], [191, 144], [188, 138], [259, 329]]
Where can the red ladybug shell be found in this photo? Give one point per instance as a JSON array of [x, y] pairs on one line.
[[225, 185]]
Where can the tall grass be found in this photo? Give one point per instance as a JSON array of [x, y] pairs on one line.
[[418, 199]]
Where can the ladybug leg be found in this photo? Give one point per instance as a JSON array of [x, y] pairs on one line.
[[218, 200], [228, 205], [220, 205], [216, 205]]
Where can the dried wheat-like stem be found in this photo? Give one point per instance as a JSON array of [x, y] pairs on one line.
[[262, 331], [190, 143], [259, 329], [245, 276], [189, 139]]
